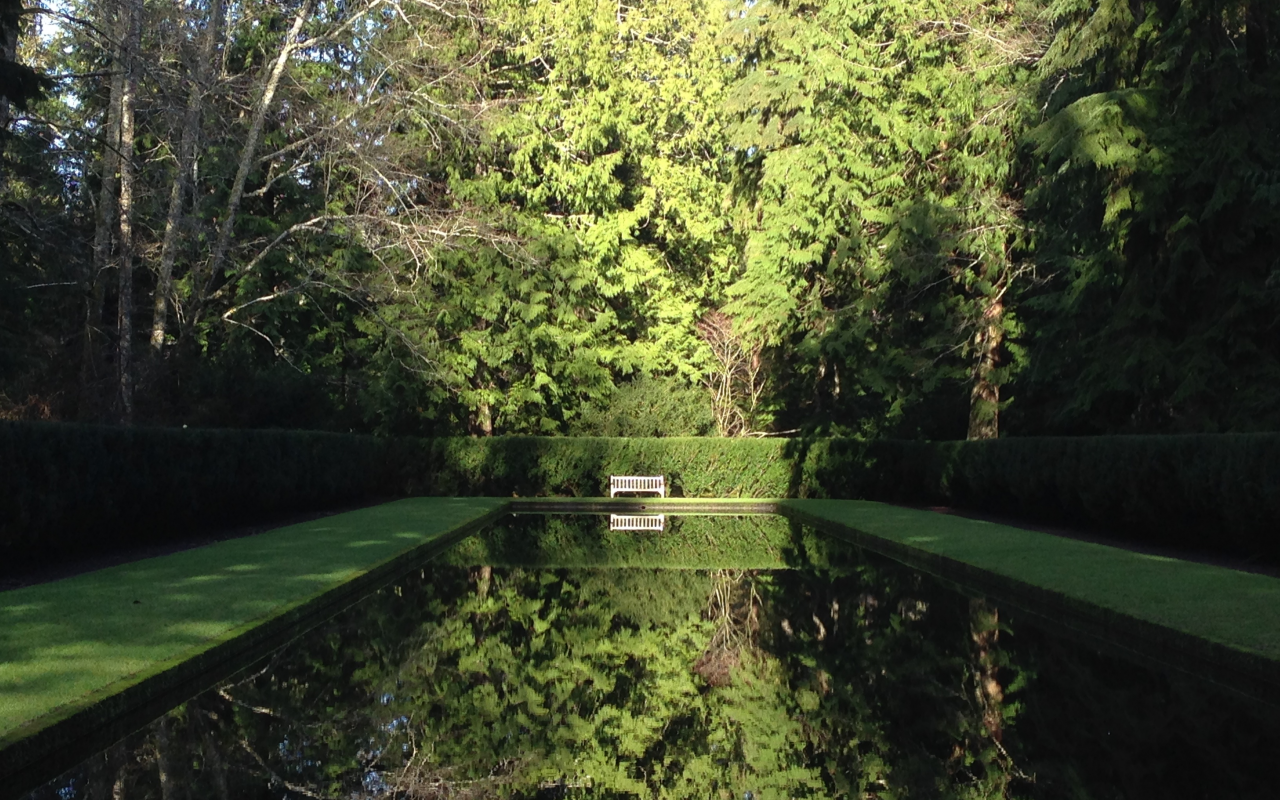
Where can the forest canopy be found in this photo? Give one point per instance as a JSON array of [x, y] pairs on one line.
[[906, 218]]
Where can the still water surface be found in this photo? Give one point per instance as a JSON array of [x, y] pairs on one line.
[[727, 658]]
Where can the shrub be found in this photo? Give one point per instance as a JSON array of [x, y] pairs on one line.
[[94, 487], [1210, 491], [650, 407], [89, 487], [1214, 491]]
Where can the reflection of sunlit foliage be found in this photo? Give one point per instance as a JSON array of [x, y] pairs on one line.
[[682, 684]]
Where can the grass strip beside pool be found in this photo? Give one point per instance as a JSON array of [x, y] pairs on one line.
[[73, 644], [1197, 616]]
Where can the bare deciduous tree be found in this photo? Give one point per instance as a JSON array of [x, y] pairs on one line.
[[736, 378], [198, 85]]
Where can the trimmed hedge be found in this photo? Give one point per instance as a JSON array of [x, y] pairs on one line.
[[87, 488], [1213, 492], [92, 487], [1217, 492], [532, 466]]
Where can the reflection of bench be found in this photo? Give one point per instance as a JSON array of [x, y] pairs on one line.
[[654, 484], [638, 522]]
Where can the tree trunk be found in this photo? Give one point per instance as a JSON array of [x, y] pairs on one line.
[[181, 187], [984, 398], [217, 259], [1256, 37], [10, 24], [119, 757], [482, 420], [133, 14], [212, 756], [984, 628], [164, 763], [107, 216]]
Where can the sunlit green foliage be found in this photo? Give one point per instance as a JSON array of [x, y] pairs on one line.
[[875, 183], [649, 407], [610, 160], [510, 346], [911, 218]]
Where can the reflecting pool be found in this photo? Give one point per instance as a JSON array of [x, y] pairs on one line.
[[731, 658]]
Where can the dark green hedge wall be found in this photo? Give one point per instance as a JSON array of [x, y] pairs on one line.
[[1215, 492], [86, 487], [1210, 491]]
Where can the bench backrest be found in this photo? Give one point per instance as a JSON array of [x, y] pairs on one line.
[[637, 482]]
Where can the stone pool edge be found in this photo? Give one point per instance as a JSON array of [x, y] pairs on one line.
[[58, 740]]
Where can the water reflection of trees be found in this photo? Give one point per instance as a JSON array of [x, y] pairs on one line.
[[864, 681]]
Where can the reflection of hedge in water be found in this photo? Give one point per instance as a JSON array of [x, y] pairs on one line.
[[692, 542]]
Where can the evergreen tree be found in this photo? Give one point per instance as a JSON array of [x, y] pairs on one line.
[[609, 161], [876, 191], [1155, 203]]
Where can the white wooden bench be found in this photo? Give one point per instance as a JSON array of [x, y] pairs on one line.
[[637, 522], [653, 484]]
